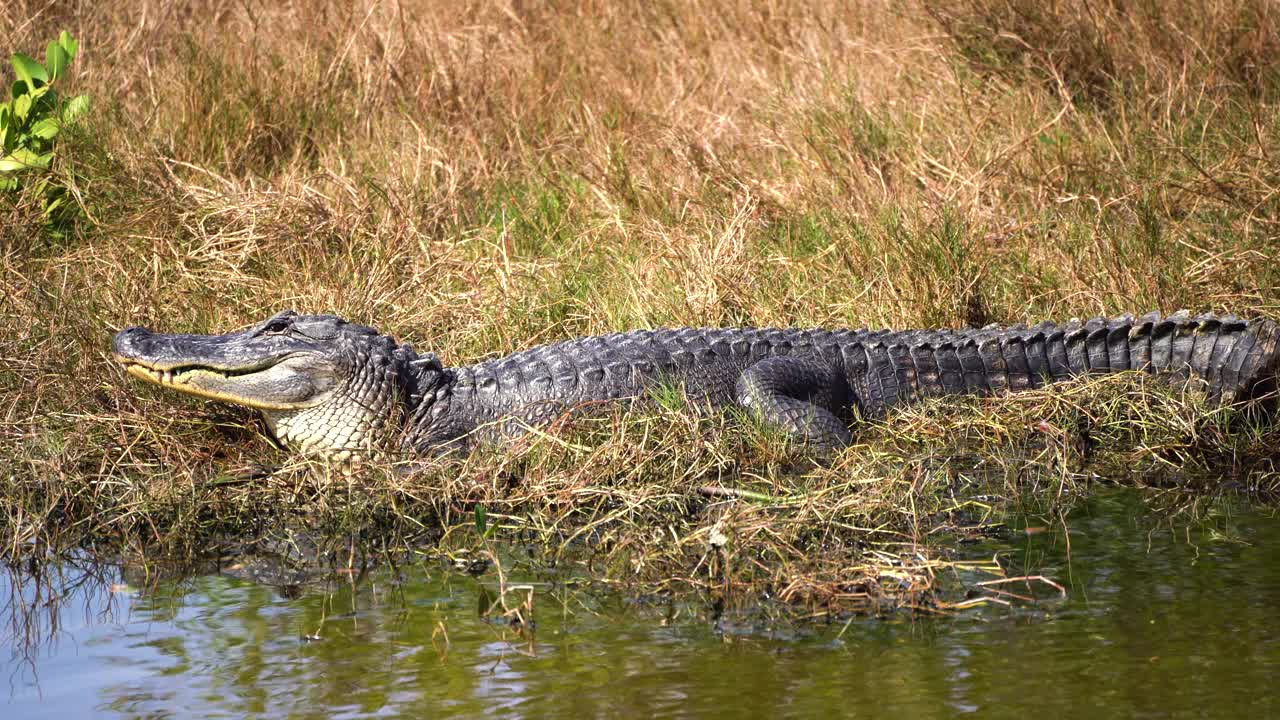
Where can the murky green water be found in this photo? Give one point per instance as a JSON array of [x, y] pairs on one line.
[[1161, 621]]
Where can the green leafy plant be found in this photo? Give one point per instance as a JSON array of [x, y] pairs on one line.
[[32, 119]]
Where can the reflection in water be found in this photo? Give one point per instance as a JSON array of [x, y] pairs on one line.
[[1159, 622]]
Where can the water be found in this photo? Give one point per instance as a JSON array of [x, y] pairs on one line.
[[1162, 620]]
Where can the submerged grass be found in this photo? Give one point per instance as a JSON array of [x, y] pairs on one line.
[[479, 180]]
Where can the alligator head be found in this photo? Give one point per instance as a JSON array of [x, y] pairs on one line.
[[323, 385]]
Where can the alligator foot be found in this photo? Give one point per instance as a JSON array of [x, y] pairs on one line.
[[802, 397]]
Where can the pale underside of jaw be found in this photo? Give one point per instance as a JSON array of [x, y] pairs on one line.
[[336, 439]]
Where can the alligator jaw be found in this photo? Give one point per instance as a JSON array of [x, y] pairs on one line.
[[180, 377]]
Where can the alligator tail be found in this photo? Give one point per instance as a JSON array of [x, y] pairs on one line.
[[1233, 359], [1228, 355]]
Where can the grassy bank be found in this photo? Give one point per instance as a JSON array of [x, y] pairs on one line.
[[480, 180]]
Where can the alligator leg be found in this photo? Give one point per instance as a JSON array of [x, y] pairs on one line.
[[803, 397]]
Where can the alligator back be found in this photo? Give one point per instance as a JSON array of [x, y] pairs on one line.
[[1232, 358]]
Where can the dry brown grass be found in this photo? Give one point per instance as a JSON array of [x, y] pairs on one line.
[[476, 179]]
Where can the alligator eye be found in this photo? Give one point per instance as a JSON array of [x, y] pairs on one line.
[[276, 326]]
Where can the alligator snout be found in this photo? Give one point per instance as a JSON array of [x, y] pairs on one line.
[[237, 352], [130, 343], [139, 346]]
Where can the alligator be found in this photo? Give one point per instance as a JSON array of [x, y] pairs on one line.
[[331, 387]]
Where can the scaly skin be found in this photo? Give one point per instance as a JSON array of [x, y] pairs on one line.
[[328, 386]]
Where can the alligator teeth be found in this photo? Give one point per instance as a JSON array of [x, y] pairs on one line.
[[168, 377]]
